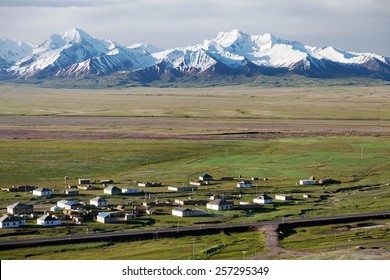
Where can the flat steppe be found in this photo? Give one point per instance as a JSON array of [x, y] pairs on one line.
[[206, 113]]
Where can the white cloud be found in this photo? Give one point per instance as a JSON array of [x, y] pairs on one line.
[[360, 25]]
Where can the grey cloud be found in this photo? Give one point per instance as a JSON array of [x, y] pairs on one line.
[[178, 23], [54, 3]]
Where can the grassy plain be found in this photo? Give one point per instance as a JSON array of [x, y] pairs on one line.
[[341, 132], [215, 246], [351, 239]]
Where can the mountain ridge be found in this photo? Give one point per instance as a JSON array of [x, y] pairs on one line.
[[77, 54]]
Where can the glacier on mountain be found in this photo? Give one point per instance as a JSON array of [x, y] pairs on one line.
[[76, 53]]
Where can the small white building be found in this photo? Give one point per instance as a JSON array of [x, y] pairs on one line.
[[306, 182], [43, 192], [72, 192], [263, 199], [219, 205], [205, 177], [20, 209], [48, 220], [67, 204], [283, 197], [84, 181], [182, 189], [112, 190], [244, 184], [130, 191], [187, 212], [144, 184], [11, 222], [98, 202], [55, 208], [105, 218]]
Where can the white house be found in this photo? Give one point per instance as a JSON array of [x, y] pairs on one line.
[[105, 217], [306, 182], [187, 212], [48, 220], [55, 208], [84, 181], [144, 184], [263, 199], [244, 184], [205, 177], [283, 197], [113, 190], [98, 201], [42, 192], [67, 204], [11, 222], [182, 189], [130, 191], [219, 205], [20, 209], [72, 192]]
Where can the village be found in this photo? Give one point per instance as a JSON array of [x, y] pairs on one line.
[[101, 201]]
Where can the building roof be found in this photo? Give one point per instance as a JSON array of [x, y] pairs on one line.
[[245, 182], [104, 214], [47, 218], [67, 202], [7, 218], [205, 175], [19, 205], [264, 196], [220, 202], [110, 188], [181, 209], [98, 199], [43, 189]]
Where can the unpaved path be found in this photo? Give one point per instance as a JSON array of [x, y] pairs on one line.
[[274, 251]]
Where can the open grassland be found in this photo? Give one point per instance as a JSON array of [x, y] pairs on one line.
[[139, 134], [214, 246], [226, 102], [172, 162], [284, 161], [146, 111], [369, 240]]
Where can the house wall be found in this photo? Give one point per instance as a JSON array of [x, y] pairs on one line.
[[13, 224], [306, 182], [262, 201], [49, 223], [177, 213], [19, 211], [45, 193]]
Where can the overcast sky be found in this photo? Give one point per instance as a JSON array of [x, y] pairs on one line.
[[353, 25]]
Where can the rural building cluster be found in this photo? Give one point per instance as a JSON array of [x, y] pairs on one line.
[[101, 208]]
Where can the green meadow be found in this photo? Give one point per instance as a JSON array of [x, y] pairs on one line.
[[337, 132], [213, 247], [47, 162]]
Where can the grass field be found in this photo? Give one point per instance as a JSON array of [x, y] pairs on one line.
[[349, 237], [212, 103], [216, 246], [340, 132]]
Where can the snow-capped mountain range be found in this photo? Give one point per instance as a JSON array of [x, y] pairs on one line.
[[77, 54]]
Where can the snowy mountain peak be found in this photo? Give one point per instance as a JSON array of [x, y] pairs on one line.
[[76, 53], [76, 35], [146, 47], [12, 51], [226, 39]]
